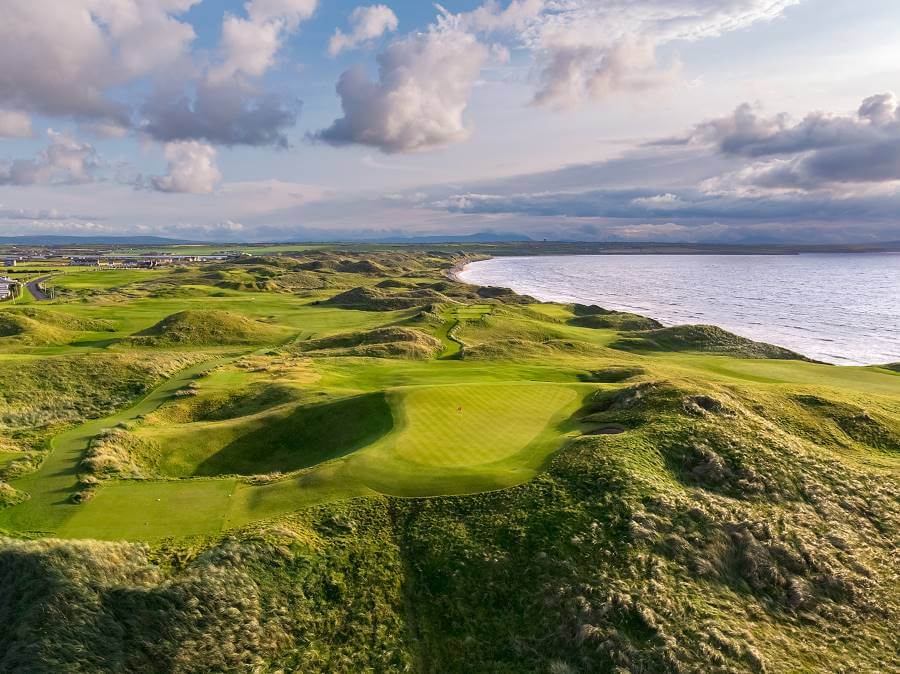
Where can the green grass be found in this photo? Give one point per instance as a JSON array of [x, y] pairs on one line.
[[207, 328], [52, 485], [453, 319], [152, 510], [320, 499], [279, 441], [102, 279], [504, 439], [512, 418], [7, 457]]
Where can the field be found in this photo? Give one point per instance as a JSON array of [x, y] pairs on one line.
[[494, 484]]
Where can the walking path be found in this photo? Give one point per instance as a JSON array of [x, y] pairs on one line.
[[51, 486]]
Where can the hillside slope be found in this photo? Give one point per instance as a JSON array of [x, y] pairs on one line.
[[573, 491], [206, 328]]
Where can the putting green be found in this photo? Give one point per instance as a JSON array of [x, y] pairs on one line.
[[447, 440], [463, 426], [501, 436]]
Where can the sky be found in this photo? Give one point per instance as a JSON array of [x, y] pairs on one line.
[[733, 121]]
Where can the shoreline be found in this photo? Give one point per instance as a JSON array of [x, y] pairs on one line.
[[454, 272], [845, 358]]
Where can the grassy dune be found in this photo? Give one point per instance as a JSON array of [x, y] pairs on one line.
[[206, 328], [424, 476]]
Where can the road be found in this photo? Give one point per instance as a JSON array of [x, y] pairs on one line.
[[35, 290]]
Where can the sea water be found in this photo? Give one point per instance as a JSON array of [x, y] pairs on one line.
[[837, 308]]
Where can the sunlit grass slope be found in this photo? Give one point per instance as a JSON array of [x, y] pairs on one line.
[[429, 477]]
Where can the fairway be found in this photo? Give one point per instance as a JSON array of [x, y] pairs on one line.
[[152, 510], [258, 428]]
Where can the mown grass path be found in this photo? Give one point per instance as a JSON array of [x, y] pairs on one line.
[[52, 485], [453, 318]]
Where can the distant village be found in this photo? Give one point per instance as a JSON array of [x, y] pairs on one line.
[[19, 258], [141, 261]]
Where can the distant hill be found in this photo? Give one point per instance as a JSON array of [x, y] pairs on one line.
[[54, 240], [480, 237]]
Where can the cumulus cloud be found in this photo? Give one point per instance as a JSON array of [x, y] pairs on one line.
[[583, 49], [62, 57], [70, 58], [366, 24], [821, 149], [229, 113], [420, 97], [249, 45], [573, 73], [66, 161], [15, 124], [224, 105], [589, 49], [192, 169]]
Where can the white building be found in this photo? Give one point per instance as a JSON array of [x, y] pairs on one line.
[[6, 286]]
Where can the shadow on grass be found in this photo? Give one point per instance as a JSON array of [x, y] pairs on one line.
[[306, 437]]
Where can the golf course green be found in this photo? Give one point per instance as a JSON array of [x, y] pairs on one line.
[[362, 441]]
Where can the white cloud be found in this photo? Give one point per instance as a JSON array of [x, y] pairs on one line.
[[61, 57], [292, 12], [571, 74], [15, 124], [192, 169], [367, 23], [821, 150], [72, 58], [65, 161], [588, 49], [249, 46], [224, 104], [105, 130], [420, 98], [658, 201]]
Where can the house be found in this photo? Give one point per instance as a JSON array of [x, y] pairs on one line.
[[7, 285], [10, 262]]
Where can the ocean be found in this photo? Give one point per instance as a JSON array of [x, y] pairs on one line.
[[839, 308]]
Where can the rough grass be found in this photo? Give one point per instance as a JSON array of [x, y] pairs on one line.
[[42, 393], [389, 342], [320, 593], [28, 331], [690, 544], [702, 338], [604, 319], [282, 441], [29, 326], [207, 328], [379, 299]]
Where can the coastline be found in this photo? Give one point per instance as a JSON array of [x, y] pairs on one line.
[[752, 316], [454, 272]]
